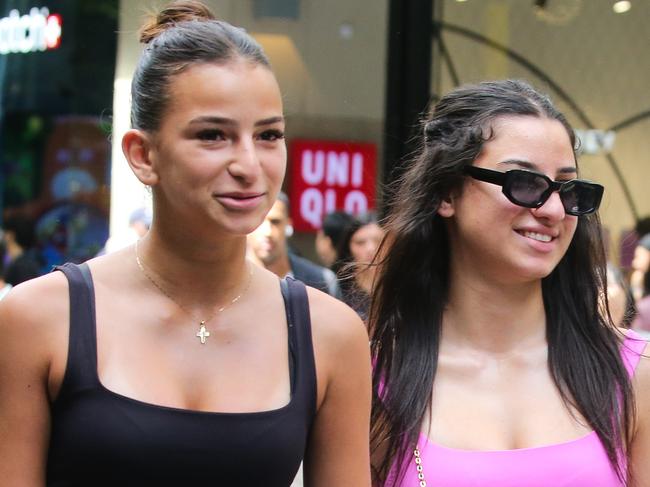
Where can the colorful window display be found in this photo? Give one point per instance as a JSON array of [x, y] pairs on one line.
[[55, 129]]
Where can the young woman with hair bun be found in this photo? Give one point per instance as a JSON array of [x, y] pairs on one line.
[[495, 362], [176, 361]]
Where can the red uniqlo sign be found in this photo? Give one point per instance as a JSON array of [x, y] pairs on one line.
[[328, 176]]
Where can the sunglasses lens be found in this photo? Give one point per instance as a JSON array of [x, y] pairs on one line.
[[580, 198], [527, 188]]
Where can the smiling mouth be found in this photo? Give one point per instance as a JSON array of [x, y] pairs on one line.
[[238, 202], [540, 237]]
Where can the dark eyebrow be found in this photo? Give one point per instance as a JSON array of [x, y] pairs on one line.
[[215, 120], [230, 121], [533, 167], [269, 121]]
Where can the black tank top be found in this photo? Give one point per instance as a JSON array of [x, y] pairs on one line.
[[100, 438]]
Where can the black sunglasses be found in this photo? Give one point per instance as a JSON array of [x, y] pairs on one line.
[[531, 189]]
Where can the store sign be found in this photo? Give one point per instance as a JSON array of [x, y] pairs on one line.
[[328, 176], [35, 32]]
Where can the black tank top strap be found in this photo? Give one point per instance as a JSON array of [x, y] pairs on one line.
[[302, 366], [81, 369]]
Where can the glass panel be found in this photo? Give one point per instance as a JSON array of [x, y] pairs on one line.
[[55, 133]]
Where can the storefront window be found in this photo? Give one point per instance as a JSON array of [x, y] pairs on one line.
[[57, 66]]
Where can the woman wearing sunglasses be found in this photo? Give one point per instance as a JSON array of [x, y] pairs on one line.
[[494, 363]]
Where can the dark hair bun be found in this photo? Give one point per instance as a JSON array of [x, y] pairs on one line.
[[432, 130], [442, 130], [174, 13]]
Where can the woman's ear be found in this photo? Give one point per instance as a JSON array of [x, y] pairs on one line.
[[136, 146], [446, 208]]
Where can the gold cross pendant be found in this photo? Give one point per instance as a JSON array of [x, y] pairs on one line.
[[202, 334]]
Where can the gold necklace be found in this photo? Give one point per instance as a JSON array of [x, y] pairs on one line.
[[202, 334]]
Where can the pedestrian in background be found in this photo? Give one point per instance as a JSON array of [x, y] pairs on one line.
[[175, 361], [139, 224], [269, 245], [641, 321], [494, 363], [355, 264], [328, 237], [19, 240], [619, 298], [640, 265], [5, 287]]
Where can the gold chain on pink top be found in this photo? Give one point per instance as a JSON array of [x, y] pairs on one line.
[[418, 467]]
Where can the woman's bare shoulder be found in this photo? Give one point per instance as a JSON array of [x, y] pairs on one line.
[[334, 322], [33, 321], [341, 344], [36, 311], [640, 447], [34, 301], [341, 427], [642, 379]]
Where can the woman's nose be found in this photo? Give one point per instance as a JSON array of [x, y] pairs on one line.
[[553, 208], [245, 163]]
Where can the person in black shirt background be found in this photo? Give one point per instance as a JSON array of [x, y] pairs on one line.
[[270, 247], [19, 241]]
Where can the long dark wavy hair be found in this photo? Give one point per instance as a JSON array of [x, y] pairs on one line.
[[412, 288]]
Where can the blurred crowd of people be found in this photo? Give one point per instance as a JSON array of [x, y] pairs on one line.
[[628, 290], [345, 245], [18, 258]]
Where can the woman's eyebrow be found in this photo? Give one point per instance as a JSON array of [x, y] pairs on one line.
[[568, 170], [269, 121], [213, 119], [534, 167], [229, 121], [518, 162]]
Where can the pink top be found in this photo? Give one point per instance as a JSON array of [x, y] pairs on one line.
[[576, 463]]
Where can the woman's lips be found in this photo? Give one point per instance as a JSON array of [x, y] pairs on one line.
[[239, 201]]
